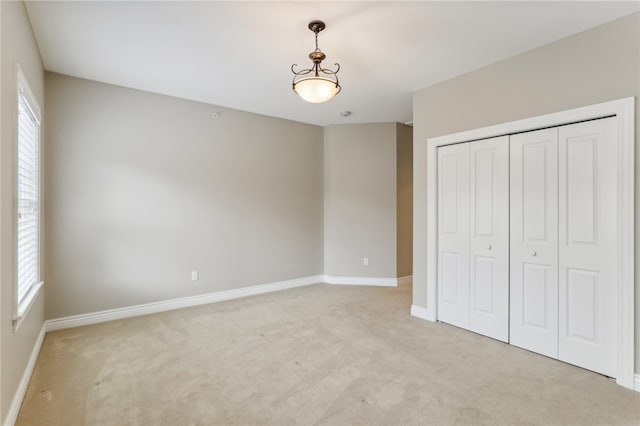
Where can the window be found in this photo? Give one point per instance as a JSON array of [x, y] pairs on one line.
[[27, 217]]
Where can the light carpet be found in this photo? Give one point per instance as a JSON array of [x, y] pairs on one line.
[[335, 355]]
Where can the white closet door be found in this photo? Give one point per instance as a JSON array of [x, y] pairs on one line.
[[489, 237], [534, 241], [453, 235], [588, 193]]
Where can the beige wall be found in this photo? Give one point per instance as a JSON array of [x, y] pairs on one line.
[[404, 190], [598, 65], [18, 47], [360, 200], [144, 188]]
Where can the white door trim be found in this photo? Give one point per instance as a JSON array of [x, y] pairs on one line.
[[624, 110]]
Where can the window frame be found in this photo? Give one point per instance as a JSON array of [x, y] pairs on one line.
[[22, 307]]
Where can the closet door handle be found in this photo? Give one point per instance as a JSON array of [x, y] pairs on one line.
[[489, 247], [533, 253]]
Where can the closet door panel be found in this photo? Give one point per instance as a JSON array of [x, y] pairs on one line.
[[588, 244], [489, 237], [453, 235], [534, 241]]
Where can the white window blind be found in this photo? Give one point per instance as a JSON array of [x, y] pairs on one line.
[[28, 199]]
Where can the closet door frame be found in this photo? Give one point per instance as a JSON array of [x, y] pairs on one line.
[[624, 111]]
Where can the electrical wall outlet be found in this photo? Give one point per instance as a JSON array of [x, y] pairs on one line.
[[365, 261], [194, 275]]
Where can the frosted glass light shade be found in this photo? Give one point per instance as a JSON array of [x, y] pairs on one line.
[[316, 90]]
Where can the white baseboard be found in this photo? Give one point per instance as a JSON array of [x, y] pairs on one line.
[[406, 280], [383, 282], [18, 397], [184, 302], [636, 382], [420, 312]]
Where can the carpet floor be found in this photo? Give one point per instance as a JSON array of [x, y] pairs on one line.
[[334, 355]]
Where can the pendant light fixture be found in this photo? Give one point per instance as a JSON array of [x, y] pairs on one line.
[[316, 84]]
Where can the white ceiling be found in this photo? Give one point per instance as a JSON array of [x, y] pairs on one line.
[[239, 54]]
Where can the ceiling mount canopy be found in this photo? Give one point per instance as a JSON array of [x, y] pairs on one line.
[[316, 84]]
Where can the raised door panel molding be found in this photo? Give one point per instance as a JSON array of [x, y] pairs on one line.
[[583, 289], [535, 297], [536, 208]]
